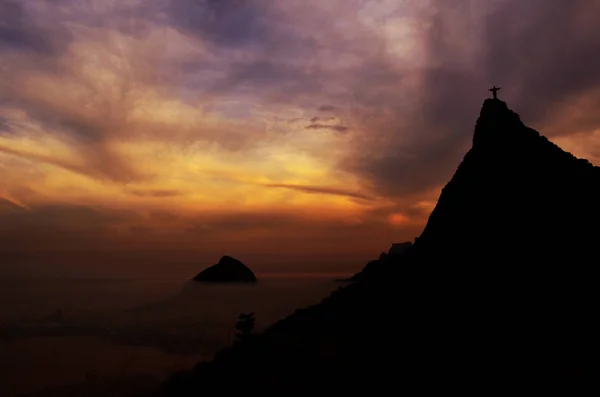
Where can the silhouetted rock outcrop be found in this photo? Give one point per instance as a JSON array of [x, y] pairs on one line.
[[379, 266], [460, 309], [228, 270], [399, 248]]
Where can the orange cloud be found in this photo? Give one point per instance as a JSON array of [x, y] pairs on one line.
[[398, 219]]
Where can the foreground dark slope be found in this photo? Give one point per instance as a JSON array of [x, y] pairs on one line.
[[500, 290]]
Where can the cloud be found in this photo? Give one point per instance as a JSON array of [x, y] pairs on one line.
[[325, 119], [411, 116], [299, 232], [58, 229], [55, 227], [338, 128], [418, 145], [21, 30], [113, 168], [64, 217], [222, 112], [321, 190], [5, 127], [327, 108], [7, 205], [156, 193], [234, 23]]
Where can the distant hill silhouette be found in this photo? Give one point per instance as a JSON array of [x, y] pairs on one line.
[[498, 295], [228, 270]]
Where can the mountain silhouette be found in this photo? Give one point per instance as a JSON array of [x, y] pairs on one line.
[[516, 197], [498, 294]]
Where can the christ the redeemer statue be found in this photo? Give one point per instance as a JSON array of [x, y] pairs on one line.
[[494, 90]]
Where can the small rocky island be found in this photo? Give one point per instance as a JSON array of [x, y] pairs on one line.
[[228, 270]]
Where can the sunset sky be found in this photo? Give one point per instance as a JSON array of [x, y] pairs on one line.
[[292, 134]]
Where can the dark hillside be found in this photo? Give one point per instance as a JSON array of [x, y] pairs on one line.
[[498, 293]]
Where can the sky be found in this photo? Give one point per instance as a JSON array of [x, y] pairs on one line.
[[150, 136]]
